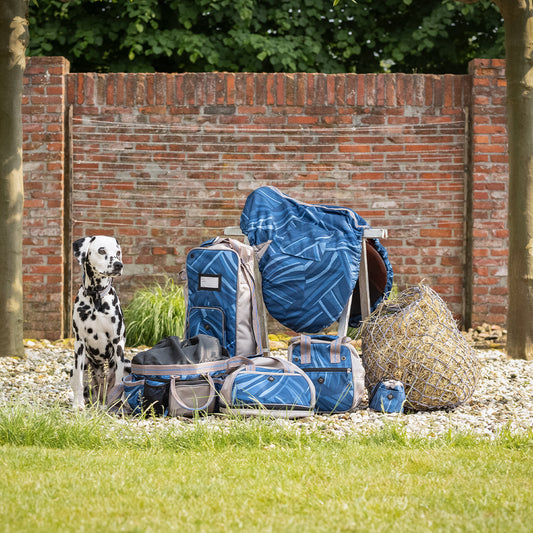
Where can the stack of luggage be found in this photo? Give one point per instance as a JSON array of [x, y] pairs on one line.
[[308, 256]]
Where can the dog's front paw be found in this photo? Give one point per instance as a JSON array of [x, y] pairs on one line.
[[78, 403]]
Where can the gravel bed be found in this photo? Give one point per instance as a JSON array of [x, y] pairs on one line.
[[503, 399]]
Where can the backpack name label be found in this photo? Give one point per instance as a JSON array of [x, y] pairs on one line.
[[209, 282]]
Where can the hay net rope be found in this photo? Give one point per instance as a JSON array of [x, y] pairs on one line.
[[414, 339]]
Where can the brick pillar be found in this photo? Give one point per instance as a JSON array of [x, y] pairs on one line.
[[489, 177], [43, 111]]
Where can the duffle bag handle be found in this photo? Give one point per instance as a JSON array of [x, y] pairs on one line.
[[250, 364], [305, 349], [334, 350], [279, 362], [181, 402], [237, 362]]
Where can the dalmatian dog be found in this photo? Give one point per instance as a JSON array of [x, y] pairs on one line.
[[98, 322]]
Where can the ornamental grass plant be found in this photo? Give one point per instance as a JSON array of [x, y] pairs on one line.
[[154, 313]]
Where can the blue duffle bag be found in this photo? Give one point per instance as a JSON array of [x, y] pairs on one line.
[[268, 386], [334, 367]]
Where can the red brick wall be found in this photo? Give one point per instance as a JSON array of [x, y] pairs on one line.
[[165, 161], [43, 151], [489, 177]]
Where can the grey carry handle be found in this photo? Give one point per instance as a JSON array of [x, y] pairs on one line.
[[334, 349], [253, 363], [181, 402]]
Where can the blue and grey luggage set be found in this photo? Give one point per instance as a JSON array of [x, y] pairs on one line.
[[309, 257]]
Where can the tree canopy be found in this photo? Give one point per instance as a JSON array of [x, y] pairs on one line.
[[266, 35]]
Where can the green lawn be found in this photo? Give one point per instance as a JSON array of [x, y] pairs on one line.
[[76, 474], [341, 487]]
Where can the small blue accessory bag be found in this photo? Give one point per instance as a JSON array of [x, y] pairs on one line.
[[388, 397]]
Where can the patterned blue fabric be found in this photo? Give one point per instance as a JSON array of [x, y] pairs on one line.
[[143, 395], [271, 388], [133, 393], [388, 397], [311, 262], [208, 321], [339, 383], [212, 277]]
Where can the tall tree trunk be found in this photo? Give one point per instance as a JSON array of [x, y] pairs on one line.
[[518, 18], [13, 42]]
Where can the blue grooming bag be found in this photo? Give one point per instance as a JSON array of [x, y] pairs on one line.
[[334, 367]]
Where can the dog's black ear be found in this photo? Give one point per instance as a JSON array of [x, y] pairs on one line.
[[81, 247]]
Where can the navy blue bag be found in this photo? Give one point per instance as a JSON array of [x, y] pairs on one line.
[[334, 367], [309, 257]]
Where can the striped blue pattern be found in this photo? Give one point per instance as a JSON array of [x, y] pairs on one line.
[[207, 310], [208, 321], [133, 393], [334, 389], [333, 381], [271, 389], [311, 265]]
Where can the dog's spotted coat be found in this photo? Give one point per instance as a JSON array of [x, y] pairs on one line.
[[98, 322]]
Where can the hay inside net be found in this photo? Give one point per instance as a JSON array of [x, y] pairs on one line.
[[414, 339]]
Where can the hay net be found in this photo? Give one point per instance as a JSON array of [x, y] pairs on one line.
[[414, 339]]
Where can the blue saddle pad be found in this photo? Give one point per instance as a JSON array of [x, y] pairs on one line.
[[309, 259]]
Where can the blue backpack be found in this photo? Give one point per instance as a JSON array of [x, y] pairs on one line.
[[309, 258], [221, 300]]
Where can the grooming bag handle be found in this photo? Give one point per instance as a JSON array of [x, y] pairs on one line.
[[251, 364], [334, 349], [181, 402]]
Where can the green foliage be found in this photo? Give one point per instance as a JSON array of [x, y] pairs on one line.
[[266, 36], [394, 292], [154, 313], [22, 425]]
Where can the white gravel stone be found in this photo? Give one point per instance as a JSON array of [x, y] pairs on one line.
[[502, 401]]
